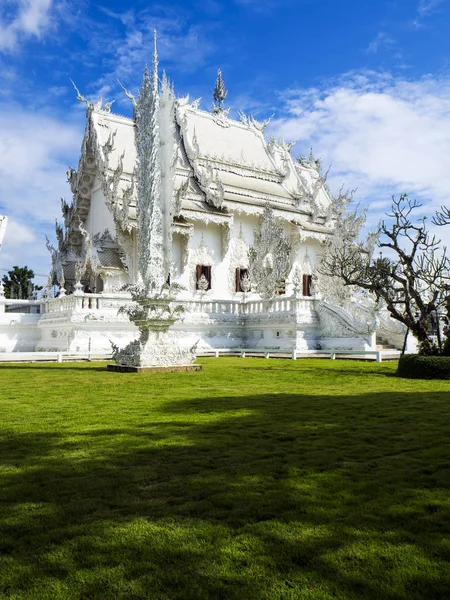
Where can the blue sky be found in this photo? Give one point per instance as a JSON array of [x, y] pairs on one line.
[[366, 83]]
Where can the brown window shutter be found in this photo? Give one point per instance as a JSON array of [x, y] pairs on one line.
[[307, 285], [238, 279], [208, 275]]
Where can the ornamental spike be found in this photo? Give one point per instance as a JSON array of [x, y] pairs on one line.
[[155, 64], [220, 92]]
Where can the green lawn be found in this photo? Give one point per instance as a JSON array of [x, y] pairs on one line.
[[255, 478]]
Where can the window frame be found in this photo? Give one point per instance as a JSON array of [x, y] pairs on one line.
[[205, 270]]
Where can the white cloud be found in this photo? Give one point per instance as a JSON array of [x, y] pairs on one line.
[[381, 135], [185, 46], [425, 9], [382, 40], [428, 7], [22, 18], [25, 246], [35, 149], [18, 234]]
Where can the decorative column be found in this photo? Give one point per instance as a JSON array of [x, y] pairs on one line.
[[152, 309]]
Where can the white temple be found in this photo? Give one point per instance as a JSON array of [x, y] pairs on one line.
[[192, 198]]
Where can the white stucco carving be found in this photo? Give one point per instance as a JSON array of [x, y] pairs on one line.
[[152, 309], [335, 322]]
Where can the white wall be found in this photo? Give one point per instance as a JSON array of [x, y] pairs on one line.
[[248, 223], [99, 217], [177, 258], [225, 261], [19, 332], [307, 251]]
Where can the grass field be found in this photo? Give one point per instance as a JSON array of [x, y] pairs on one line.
[[254, 479]]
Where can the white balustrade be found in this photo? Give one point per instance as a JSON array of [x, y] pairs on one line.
[[94, 302], [83, 302]]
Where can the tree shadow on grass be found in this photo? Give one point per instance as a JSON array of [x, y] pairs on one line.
[[258, 496]]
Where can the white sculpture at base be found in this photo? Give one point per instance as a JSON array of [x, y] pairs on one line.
[[153, 315]]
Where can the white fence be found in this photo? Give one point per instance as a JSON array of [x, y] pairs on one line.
[[232, 307]]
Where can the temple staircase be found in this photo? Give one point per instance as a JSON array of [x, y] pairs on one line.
[[383, 343]]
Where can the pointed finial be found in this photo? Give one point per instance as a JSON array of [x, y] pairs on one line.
[[127, 94], [155, 61], [80, 96], [220, 92], [145, 91]]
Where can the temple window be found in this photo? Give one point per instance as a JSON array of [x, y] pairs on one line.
[[307, 280], [242, 280], [203, 277], [99, 285]]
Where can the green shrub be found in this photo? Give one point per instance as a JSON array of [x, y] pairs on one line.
[[415, 366]]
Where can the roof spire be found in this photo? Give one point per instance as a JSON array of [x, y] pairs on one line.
[[155, 63], [220, 92]]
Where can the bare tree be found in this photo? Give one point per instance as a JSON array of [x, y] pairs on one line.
[[412, 278], [442, 217], [349, 221]]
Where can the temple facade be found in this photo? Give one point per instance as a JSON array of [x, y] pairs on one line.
[[236, 230]]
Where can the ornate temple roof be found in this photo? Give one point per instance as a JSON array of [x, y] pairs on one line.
[[216, 165], [225, 162], [221, 140]]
